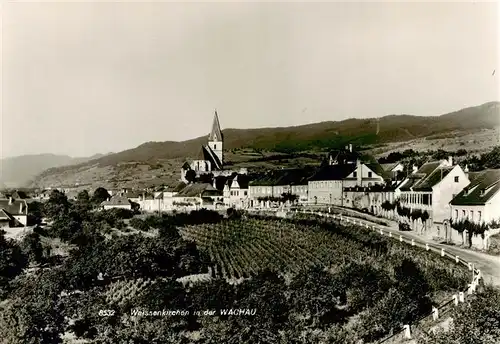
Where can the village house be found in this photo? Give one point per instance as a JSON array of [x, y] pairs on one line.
[[117, 202], [432, 187], [370, 198], [344, 170], [42, 195], [395, 170], [197, 196], [13, 212], [236, 192], [160, 201], [275, 183], [479, 201]]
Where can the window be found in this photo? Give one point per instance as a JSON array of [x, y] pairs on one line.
[[215, 147], [456, 179], [430, 199], [463, 214], [456, 214], [472, 215], [369, 174], [355, 174], [479, 216]]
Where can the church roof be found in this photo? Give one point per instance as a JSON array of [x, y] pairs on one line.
[[216, 133], [207, 154]]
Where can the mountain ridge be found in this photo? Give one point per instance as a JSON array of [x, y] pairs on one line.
[[319, 136], [19, 170]]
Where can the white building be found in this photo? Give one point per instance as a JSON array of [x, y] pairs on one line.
[[236, 192], [13, 212], [480, 200], [326, 186], [432, 187], [278, 182], [117, 202]]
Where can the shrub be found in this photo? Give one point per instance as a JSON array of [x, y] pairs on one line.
[[139, 224]]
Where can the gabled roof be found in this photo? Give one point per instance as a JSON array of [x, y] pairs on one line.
[[479, 191], [289, 176], [216, 133], [206, 153], [5, 216], [379, 170], [427, 176], [19, 195], [133, 194], [15, 208], [198, 190], [389, 167], [179, 186], [333, 172], [241, 179], [117, 200]]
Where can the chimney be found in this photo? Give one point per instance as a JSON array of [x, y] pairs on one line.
[[450, 160], [359, 175], [466, 171], [415, 169], [215, 183], [10, 200], [350, 147], [20, 207]]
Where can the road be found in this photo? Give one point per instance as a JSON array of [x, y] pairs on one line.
[[489, 265]]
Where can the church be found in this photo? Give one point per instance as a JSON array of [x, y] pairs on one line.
[[210, 158]]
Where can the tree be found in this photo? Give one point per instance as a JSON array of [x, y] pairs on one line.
[[475, 321], [57, 205], [191, 176], [32, 247], [12, 260], [83, 201], [35, 214], [100, 195]]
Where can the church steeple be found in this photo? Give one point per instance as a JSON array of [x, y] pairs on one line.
[[216, 134], [215, 139]]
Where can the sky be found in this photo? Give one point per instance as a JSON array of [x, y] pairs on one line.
[[86, 78]]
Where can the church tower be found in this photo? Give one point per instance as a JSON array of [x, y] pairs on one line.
[[215, 138]]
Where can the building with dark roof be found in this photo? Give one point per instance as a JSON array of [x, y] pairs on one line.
[[14, 212], [197, 195], [480, 200], [432, 187], [275, 183], [236, 191], [326, 186]]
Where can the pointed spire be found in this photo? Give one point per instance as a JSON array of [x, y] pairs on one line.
[[216, 133]]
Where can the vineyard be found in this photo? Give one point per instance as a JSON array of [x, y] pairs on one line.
[[243, 248], [118, 293]]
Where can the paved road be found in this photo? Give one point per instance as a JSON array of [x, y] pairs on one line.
[[489, 265]]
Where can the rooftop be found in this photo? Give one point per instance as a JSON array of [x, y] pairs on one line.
[[333, 172], [198, 190], [430, 174], [117, 200], [14, 207], [480, 190]]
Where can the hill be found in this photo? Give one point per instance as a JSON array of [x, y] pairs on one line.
[[165, 158], [19, 171]]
